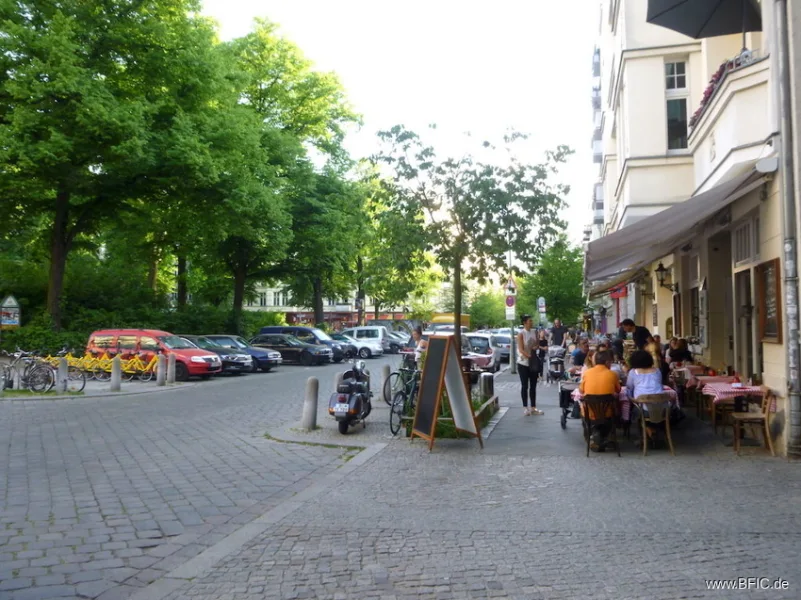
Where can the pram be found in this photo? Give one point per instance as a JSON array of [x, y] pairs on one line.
[[566, 402], [556, 363]]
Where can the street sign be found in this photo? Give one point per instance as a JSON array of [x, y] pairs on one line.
[[510, 307], [9, 313], [541, 305], [511, 286]]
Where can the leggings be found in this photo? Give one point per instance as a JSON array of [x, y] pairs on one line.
[[528, 379]]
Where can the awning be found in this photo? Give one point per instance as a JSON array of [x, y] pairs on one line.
[[619, 256], [598, 288]]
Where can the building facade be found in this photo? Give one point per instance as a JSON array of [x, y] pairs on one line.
[[693, 218]]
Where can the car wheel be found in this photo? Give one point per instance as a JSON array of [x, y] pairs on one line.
[[394, 348], [364, 353], [203, 377], [338, 360], [255, 366], [267, 369], [306, 359], [181, 372]]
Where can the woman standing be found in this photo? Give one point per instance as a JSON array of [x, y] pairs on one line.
[[420, 345], [542, 350], [528, 368]]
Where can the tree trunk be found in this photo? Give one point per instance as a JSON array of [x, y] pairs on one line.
[[59, 245], [317, 300], [457, 308], [153, 270], [376, 308], [182, 292], [240, 278], [360, 295]]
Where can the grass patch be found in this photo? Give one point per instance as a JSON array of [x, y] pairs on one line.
[[356, 449], [32, 394]]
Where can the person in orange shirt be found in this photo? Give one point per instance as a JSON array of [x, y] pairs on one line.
[[599, 381]]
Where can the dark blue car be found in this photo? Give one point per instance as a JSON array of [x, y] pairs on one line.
[[262, 358], [310, 335]]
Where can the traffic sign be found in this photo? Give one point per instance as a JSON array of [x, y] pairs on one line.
[[541, 305], [511, 286], [9, 313], [510, 307], [510, 301]]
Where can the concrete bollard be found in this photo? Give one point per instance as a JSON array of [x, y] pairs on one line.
[[384, 376], [62, 375], [486, 383], [161, 371], [309, 419], [116, 374], [171, 368]]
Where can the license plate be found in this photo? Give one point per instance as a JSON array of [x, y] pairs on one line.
[[341, 407]]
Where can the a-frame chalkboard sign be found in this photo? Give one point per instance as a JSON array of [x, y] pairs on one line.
[[442, 369]]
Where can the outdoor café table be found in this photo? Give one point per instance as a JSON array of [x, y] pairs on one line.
[[724, 392]]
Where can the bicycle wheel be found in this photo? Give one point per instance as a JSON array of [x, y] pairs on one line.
[[396, 412], [7, 378], [146, 375], [40, 379], [102, 375], [392, 385], [76, 379]]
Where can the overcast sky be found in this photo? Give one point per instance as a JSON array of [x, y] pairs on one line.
[[479, 67]]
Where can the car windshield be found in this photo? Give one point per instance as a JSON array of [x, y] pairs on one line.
[[321, 335], [479, 344], [292, 340], [194, 345], [205, 343], [240, 343], [502, 339], [173, 342]]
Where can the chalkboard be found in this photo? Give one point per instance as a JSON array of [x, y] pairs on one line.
[[459, 395], [768, 276], [430, 393]]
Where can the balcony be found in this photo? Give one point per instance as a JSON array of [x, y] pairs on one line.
[[597, 151], [596, 98], [596, 63]]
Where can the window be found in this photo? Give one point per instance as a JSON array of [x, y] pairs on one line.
[[251, 303], [332, 302], [694, 268], [695, 313], [103, 341], [745, 242], [262, 298], [126, 342], [677, 123], [270, 299], [675, 76]]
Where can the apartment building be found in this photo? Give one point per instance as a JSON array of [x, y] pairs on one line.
[[693, 211]]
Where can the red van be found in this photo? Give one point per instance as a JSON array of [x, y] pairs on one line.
[[190, 361]]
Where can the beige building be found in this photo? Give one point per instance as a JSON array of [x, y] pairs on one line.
[[693, 214]]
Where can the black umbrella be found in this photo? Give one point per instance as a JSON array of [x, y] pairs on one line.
[[706, 18]]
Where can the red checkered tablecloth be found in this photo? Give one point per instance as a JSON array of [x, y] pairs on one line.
[[701, 380], [725, 391]]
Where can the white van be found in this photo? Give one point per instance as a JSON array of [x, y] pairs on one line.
[[374, 332]]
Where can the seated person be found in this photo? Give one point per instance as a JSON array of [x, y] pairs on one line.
[[599, 381], [579, 357], [681, 353], [659, 364], [643, 379]]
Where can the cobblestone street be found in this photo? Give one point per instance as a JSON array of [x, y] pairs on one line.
[[203, 507]]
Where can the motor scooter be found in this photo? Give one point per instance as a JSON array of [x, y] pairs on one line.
[[351, 403]]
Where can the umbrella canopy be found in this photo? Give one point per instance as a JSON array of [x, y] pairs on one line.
[[705, 18]]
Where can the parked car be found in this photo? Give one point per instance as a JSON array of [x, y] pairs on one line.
[[189, 360], [481, 343], [309, 335], [348, 344], [503, 343], [234, 360], [262, 359], [474, 362], [375, 332], [362, 348], [293, 350], [402, 336]]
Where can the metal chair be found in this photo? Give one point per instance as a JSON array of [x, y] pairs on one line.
[[600, 411]]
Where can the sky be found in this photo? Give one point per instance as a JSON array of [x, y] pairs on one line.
[[478, 67]]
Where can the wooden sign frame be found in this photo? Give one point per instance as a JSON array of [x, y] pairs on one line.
[[447, 375], [762, 293]]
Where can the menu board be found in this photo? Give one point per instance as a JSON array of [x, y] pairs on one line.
[[768, 280]]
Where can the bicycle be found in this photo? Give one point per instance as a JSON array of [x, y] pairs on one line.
[[397, 381], [404, 402], [29, 370]]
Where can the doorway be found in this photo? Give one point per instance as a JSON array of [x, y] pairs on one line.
[[744, 332]]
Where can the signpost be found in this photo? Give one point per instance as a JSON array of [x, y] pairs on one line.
[[9, 313], [511, 316]]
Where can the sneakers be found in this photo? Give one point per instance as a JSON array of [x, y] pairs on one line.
[[526, 412], [536, 411]]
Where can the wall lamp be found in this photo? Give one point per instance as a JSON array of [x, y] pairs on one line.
[[661, 274]]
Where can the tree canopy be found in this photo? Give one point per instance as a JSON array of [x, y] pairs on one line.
[[558, 278]]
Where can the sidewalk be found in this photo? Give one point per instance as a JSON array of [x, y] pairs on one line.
[[102, 388]]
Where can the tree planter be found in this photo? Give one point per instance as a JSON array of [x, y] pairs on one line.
[[482, 409]]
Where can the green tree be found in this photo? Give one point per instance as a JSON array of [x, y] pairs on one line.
[[558, 279], [487, 309], [477, 210]]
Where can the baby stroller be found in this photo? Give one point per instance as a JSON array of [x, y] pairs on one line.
[[556, 363], [566, 402]]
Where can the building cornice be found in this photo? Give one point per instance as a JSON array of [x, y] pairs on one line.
[[638, 162], [731, 151]]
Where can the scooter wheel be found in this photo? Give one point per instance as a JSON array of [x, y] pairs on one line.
[[343, 427]]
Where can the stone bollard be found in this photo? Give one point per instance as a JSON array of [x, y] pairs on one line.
[[161, 371], [486, 384], [384, 377], [116, 374], [309, 418], [171, 368], [62, 375]]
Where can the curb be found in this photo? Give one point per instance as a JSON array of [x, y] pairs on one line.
[[183, 386], [205, 561]]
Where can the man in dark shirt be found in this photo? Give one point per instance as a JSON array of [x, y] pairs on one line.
[[558, 333], [640, 335]]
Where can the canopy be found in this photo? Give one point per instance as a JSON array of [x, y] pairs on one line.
[[705, 18], [615, 259]]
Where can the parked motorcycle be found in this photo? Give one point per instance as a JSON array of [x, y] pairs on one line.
[[351, 402]]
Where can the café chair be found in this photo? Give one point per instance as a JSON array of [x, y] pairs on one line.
[[761, 418], [658, 412]]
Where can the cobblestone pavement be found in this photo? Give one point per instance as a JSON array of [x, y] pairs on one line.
[[100, 497], [515, 522]]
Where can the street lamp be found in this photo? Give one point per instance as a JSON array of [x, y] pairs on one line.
[[661, 273]]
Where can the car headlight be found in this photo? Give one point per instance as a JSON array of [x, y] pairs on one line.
[[197, 359], [227, 357]]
